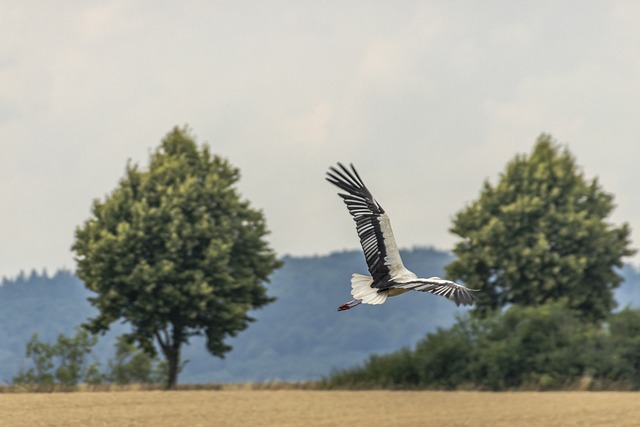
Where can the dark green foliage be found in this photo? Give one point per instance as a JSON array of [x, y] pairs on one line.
[[541, 234], [536, 347], [395, 370], [442, 359], [130, 365], [543, 347], [175, 252], [622, 362]]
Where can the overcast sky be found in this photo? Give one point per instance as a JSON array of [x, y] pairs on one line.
[[427, 98]]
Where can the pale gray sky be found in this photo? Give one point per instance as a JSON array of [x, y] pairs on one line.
[[427, 98]]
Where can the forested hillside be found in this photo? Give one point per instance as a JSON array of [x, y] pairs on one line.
[[299, 337]]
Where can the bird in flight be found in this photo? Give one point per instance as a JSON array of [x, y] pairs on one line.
[[389, 277]]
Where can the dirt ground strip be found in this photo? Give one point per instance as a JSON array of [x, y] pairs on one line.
[[319, 408]]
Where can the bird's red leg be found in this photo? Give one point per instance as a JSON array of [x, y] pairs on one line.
[[348, 305]]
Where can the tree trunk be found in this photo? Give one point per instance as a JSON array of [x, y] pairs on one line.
[[170, 345], [173, 360]]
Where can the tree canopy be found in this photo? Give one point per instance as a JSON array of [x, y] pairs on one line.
[[176, 252], [541, 234]]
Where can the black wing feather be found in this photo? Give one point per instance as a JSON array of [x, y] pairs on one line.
[[366, 213]]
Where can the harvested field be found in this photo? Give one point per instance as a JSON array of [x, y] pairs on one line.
[[319, 408]]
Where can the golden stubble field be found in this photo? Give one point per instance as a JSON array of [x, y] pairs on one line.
[[319, 408]]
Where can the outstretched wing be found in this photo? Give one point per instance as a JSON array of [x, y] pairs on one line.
[[446, 288], [372, 225]]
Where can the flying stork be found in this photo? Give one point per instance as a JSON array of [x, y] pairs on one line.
[[389, 277]]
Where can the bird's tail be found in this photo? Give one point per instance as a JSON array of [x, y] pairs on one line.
[[361, 290]]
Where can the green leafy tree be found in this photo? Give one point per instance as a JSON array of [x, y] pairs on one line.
[[41, 355], [132, 365], [176, 252], [63, 362], [622, 362], [539, 235], [72, 354]]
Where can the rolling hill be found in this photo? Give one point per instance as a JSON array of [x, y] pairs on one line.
[[301, 336]]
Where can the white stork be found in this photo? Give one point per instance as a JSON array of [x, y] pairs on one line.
[[389, 277]]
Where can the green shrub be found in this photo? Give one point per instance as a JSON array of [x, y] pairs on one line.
[[546, 347]]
